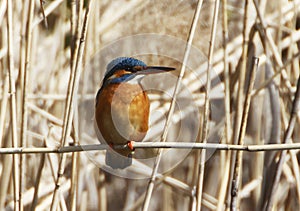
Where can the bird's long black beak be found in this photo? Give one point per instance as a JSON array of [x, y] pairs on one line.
[[154, 69]]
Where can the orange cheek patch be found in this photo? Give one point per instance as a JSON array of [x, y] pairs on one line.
[[119, 73]]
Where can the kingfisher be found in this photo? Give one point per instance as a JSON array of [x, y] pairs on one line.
[[122, 108]]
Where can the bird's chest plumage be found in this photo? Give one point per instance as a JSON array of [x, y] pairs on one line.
[[122, 113]]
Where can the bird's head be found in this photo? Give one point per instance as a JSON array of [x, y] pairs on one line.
[[124, 69]]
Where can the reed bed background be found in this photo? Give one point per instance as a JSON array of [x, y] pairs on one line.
[[237, 68]]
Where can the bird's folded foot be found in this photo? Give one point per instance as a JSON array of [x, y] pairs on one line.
[[130, 146]]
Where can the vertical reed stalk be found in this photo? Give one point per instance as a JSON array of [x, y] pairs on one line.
[[205, 125], [238, 163], [28, 37], [239, 110], [225, 156], [13, 108]]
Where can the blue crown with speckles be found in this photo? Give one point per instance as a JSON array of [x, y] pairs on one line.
[[122, 63]]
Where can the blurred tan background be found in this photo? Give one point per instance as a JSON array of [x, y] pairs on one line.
[[42, 50]]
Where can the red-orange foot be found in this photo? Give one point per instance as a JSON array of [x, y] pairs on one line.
[[130, 145]]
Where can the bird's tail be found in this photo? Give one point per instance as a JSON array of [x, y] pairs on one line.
[[117, 160]]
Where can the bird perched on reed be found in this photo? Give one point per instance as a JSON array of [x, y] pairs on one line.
[[122, 108]]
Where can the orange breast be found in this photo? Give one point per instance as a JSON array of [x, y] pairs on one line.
[[122, 113]]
